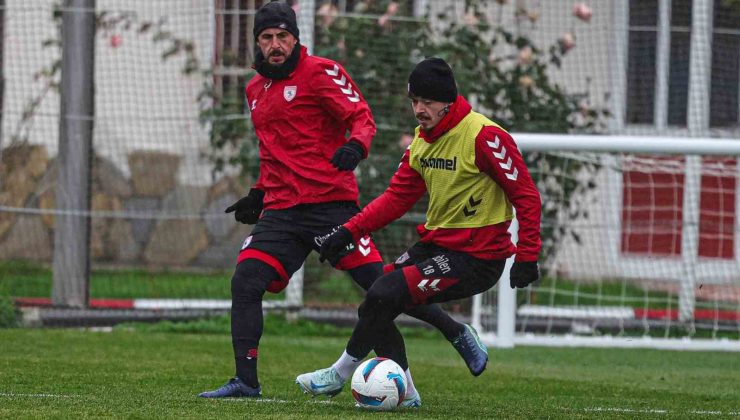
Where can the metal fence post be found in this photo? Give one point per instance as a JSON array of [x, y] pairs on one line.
[[72, 227]]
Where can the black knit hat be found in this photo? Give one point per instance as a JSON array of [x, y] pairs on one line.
[[433, 79], [275, 15]]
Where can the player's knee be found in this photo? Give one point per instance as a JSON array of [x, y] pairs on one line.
[[250, 280], [377, 306], [386, 293], [377, 296]]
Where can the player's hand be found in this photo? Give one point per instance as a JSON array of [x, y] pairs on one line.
[[348, 156], [523, 273], [334, 244], [248, 209]]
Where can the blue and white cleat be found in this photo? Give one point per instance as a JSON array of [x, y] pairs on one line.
[[472, 350], [411, 401], [321, 382], [235, 388]]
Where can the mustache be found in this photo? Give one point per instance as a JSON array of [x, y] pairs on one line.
[[276, 53], [422, 115]]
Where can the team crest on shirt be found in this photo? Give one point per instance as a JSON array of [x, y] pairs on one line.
[[289, 92]]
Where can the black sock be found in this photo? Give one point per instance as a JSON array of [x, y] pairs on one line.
[[392, 346], [246, 370], [247, 289]]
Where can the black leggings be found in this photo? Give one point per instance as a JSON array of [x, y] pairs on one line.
[[390, 295], [392, 345], [248, 285], [384, 301]]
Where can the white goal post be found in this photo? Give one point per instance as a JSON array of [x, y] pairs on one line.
[[630, 279]]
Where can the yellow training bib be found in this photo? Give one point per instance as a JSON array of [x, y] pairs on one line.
[[460, 195]]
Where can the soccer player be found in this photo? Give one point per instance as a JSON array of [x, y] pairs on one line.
[[301, 108], [475, 177]]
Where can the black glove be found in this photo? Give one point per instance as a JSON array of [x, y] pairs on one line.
[[335, 244], [348, 156], [248, 209], [523, 273]]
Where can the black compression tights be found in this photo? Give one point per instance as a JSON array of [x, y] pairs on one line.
[[384, 301], [433, 314], [248, 285], [390, 344]]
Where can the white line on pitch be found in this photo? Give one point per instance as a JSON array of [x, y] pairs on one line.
[[654, 411], [626, 410], [718, 413], [270, 400], [11, 394], [252, 400]]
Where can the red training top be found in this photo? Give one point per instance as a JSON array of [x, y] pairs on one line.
[[300, 122], [487, 242]]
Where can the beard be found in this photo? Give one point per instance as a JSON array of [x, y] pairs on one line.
[[277, 71]]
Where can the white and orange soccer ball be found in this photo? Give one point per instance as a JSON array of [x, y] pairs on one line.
[[379, 384]]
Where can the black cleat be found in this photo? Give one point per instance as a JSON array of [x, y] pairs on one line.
[[235, 388]]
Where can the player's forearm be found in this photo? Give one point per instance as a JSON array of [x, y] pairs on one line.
[[529, 244], [405, 189], [377, 214], [498, 156], [362, 131], [526, 201]]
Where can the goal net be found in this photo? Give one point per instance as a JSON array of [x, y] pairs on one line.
[[640, 246]]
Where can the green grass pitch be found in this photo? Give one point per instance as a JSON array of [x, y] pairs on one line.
[[142, 372]]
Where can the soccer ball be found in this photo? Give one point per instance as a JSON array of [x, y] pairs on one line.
[[379, 384]]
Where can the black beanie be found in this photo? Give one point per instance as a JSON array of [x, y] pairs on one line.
[[275, 15], [433, 79]]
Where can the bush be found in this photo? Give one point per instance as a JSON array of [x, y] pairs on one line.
[[9, 314]]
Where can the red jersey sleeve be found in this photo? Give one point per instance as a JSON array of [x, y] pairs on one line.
[[497, 155], [248, 94], [405, 189], [341, 97]]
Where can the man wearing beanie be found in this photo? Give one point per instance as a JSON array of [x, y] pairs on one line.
[[475, 177], [301, 108]]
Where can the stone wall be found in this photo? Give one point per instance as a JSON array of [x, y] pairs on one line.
[[146, 220]]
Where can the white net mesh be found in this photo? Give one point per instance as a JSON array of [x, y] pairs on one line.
[[173, 146], [636, 245]]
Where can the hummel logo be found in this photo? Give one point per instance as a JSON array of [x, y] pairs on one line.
[[512, 176], [341, 81], [506, 165], [365, 246], [344, 86], [505, 162], [500, 155], [333, 72], [433, 285], [473, 203]]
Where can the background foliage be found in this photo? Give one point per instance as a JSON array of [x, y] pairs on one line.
[[504, 75], [9, 314]]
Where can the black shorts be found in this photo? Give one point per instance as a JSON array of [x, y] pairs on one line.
[[284, 238], [435, 274]]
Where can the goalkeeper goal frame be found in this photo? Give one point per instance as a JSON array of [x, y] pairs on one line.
[[506, 335]]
